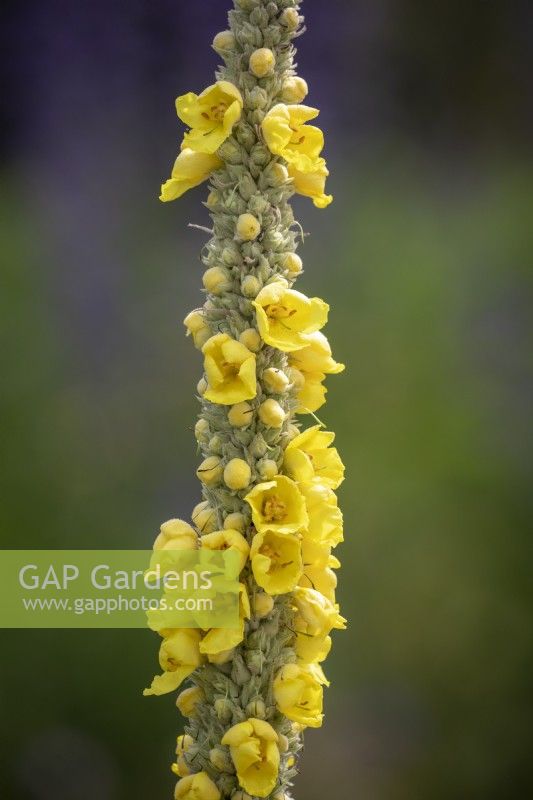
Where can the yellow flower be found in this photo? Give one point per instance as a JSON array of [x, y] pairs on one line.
[[179, 655], [285, 317], [230, 370], [181, 767], [298, 694], [278, 505], [315, 615], [190, 169], [312, 183], [287, 135], [318, 566], [316, 356], [310, 365], [196, 787], [176, 534], [309, 456], [188, 699], [210, 115], [310, 391], [325, 517], [276, 561], [227, 540], [311, 649], [219, 641], [197, 327], [254, 750]]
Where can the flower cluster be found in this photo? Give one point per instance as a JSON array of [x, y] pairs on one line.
[[268, 487]]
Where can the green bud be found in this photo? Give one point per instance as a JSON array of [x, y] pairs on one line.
[[256, 708], [258, 446]]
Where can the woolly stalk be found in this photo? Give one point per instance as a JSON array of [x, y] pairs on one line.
[[267, 487]]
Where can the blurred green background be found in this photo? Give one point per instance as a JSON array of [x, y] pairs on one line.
[[425, 257]]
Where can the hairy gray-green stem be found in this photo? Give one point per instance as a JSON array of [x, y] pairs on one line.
[[242, 688]]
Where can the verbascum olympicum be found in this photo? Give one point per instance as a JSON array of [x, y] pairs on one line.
[[267, 488]]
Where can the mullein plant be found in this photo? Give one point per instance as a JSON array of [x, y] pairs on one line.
[[268, 487]]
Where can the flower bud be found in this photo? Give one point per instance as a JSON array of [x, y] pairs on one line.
[[250, 338], [260, 155], [248, 227], [258, 98], [212, 200], [283, 743], [201, 429], [250, 286], [258, 204], [255, 660], [223, 709], [292, 431], [216, 280], [258, 446], [237, 474], [262, 62], [293, 263], [230, 254], [290, 18], [230, 151], [219, 758], [240, 415], [204, 517], [235, 522], [278, 174], [210, 471], [202, 386], [247, 186], [187, 700], [271, 413], [256, 708], [224, 40], [176, 534], [294, 90], [215, 445], [275, 380], [198, 328], [267, 469], [263, 604]]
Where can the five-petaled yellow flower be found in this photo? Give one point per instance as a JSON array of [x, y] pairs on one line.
[[315, 615], [309, 456], [325, 523], [310, 365], [179, 656], [190, 169], [197, 787], [298, 694], [218, 641], [230, 370], [286, 318], [312, 183], [210, 116], [287, 135], [318, 566], [254, 750], [276, 561], [278, 505], [230, 540]]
